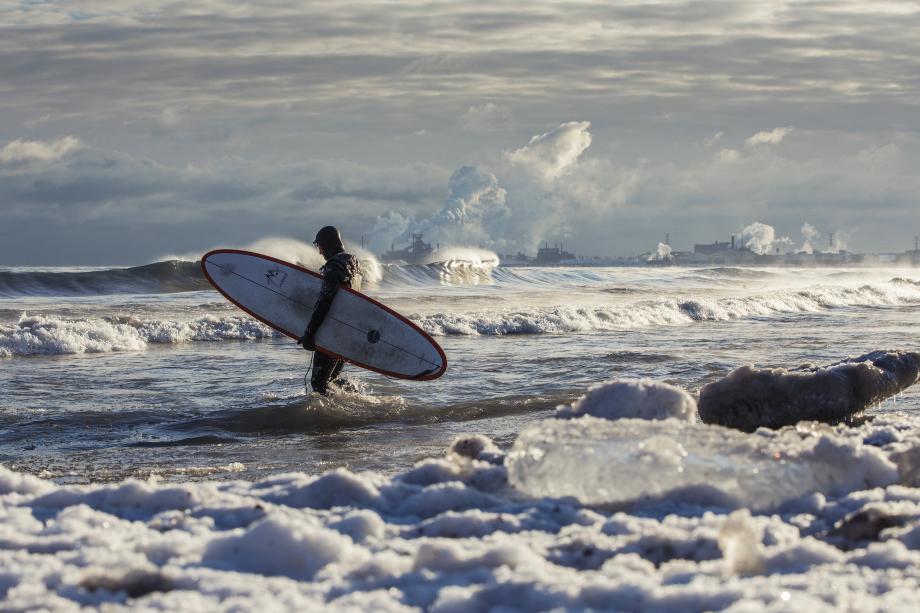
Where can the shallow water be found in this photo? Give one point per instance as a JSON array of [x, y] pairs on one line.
[[176, 382]]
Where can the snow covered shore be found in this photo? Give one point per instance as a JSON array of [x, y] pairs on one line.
[[480, 529]]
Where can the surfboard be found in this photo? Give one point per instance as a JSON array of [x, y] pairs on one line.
[[357, 328]]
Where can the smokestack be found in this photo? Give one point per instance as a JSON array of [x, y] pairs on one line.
[[733, 242]]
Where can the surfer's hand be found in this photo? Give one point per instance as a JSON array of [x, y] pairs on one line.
[[308, 341]]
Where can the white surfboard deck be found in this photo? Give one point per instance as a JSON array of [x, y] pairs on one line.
[[357, 328]]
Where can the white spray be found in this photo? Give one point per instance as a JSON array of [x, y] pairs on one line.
[[662, 253]]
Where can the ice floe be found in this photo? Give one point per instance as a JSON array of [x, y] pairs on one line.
[[749, 397]]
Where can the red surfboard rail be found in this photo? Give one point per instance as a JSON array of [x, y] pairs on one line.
[[296, 335]]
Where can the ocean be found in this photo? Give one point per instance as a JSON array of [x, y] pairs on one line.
[[123, 388]]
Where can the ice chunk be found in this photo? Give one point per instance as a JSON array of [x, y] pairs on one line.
[[474, 460], [739, 540], [336, 488], [750, 397], [604, 462], [867, 524], [442, 497], [361, 525], [280, 546], [644, 398], [132, 498], [477, 447], [20, 483], [472, 522]]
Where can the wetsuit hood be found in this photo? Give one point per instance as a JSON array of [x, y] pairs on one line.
[[329, 241]]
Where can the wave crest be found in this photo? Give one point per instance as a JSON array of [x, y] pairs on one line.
[[39, 335], [176, 276], [158, 278], [667, 312]]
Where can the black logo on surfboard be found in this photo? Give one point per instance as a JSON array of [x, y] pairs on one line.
[[373, 336], [275, 277]]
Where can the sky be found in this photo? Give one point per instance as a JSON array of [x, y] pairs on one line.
[[131, 131]]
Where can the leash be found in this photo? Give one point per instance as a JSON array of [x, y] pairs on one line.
[[309, 370]]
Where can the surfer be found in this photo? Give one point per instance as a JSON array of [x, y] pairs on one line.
[[340, 269]]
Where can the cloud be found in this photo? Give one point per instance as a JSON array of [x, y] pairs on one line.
[[474, 213], [21, 150], [543, 190], [62, 176], [70, 179], [614, 206], [773, 137], [332, 179], [37, 121], [728, 155], [488, 117], [634, 61], [512, 209], [550, 154], [345, 110], [713, 140], [475, 210]]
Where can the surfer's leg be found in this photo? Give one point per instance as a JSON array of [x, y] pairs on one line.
[[323, 367], [336, 371]]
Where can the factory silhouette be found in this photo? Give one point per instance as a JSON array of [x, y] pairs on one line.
[[717, 253]]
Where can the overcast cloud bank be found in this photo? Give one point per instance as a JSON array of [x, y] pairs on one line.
[[212, 122]]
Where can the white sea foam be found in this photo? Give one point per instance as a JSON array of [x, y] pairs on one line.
[[645, 314], [473, 255], [448, 535], [48, 335], [41, 335]]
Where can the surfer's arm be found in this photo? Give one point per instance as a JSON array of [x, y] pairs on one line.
[[332, 279]]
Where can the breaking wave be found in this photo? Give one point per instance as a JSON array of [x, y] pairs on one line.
[[456, 272], [175, 276], [38, 335], [669, 312], [159, 278], [50, 335]]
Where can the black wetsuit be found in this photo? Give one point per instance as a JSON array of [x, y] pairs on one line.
[[341, 269]]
